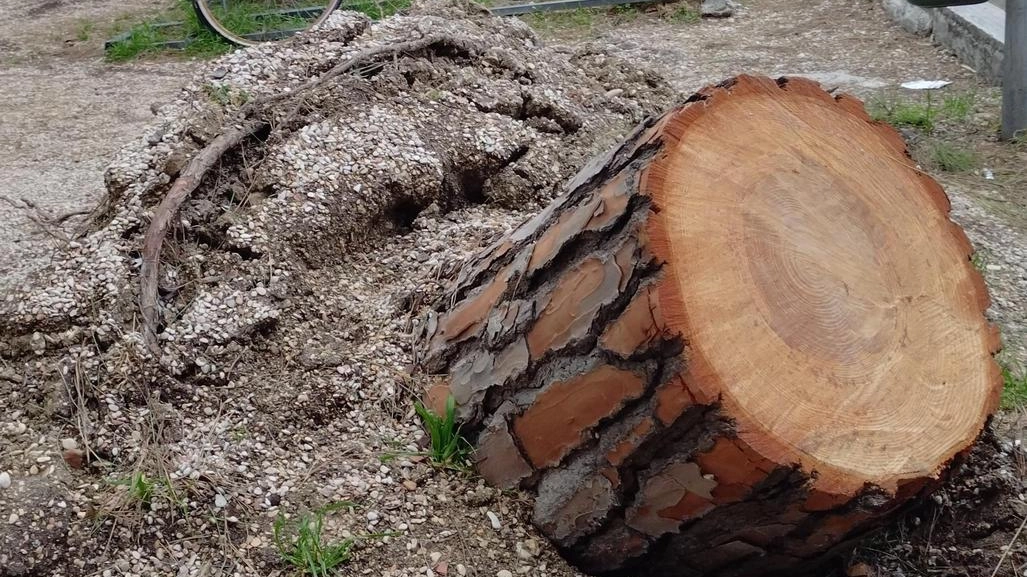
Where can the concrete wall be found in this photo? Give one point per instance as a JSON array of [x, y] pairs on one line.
[[975, 33]]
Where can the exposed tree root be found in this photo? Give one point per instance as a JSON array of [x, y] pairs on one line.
[[49, 224], [186, 183], [193, 174]]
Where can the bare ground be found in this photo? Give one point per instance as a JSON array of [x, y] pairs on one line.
[[66, 113]]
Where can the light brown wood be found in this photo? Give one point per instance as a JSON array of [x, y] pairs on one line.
[[828, 299], [742, 339]]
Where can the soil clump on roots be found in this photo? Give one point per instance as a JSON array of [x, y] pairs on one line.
[[324, 186]]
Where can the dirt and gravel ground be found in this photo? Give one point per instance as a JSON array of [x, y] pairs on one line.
[[333, 421], [65, 112]]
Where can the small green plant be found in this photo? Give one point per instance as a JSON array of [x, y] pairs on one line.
[[84, 30], [951, 158], [625, 13], [685, 13], [142, 39], [919, 115], [448, 448], [957, 106], [240, 433], [224, 94], [306, 549], [569, 20], [1014, 388], [924, 114], [980, 260], [140, 491], [140, 488]]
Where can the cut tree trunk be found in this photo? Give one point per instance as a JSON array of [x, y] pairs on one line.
[[738, 342]]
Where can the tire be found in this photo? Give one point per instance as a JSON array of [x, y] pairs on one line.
[[209, 18]]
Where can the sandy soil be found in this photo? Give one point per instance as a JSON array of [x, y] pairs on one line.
[[65, 111]]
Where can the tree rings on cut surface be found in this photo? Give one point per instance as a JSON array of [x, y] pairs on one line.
[[741, 339]]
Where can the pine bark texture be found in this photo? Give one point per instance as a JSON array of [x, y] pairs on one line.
[[556, 346]]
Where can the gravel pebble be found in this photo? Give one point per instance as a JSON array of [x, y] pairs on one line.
[[494, 520]]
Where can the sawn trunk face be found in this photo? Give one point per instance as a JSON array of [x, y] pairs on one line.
[[574, 350]]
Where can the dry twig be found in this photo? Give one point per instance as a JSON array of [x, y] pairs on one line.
[[46, 222], [1009, 547]]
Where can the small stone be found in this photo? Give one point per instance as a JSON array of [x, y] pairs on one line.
[[494, 519], [504, 573], [410, 485], [442, 568], [43, 459], [68, 444], [13, 518], [522, 551], [372, 515], [220, 501], [717, 8], [461, 570], [75, 458], [435, 556], [5, 479]]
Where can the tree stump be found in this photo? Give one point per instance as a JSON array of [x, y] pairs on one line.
[[739, 341]]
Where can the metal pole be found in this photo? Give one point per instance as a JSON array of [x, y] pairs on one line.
[[1014, 76]]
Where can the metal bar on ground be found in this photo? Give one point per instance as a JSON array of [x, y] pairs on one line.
[[125, 35], [560, 5], [309, 12], [182, 44], [1014, 75]]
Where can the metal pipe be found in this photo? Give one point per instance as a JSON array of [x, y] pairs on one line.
[[1014, 75], [560, 5]]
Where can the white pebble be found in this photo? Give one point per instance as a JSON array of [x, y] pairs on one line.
[[494, 519], [5, 479], [220, 501], [504, 573]]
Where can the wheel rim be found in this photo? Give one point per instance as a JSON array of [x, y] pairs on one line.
[[252, 22]]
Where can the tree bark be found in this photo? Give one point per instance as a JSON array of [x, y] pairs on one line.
[[740, 340]]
